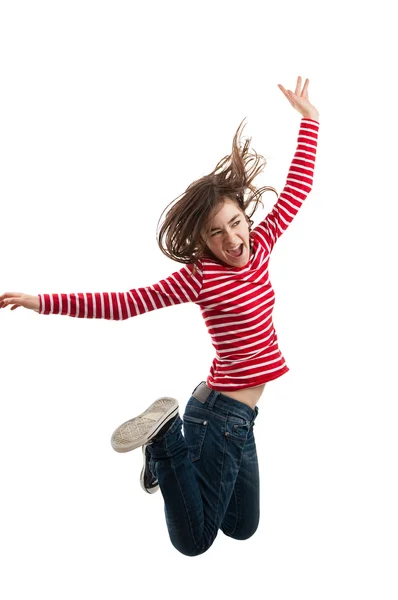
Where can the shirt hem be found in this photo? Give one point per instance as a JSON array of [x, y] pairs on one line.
[[234, 388]]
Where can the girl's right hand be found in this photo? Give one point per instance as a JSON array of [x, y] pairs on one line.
[[19, 299]]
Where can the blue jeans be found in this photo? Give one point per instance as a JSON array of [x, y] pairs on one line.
[[209, 476]]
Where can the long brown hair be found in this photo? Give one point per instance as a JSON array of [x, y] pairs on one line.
[[180, 237]]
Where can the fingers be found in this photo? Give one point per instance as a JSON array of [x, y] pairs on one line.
[[7, 300], [282, 89], [303, 93], [286, 92], [9, 295]]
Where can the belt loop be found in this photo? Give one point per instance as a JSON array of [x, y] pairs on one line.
[[212, 398]]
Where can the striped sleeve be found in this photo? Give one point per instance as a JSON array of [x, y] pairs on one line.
[[180, 287], [298, 186]]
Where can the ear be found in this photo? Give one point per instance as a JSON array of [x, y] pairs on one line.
[[249, 221]]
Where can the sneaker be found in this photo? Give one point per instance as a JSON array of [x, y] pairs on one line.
[[153, 422], [148, 481]]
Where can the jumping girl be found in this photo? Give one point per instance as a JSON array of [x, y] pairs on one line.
[[209, 475]]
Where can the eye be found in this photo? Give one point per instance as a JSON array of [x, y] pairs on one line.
[[236, 223]]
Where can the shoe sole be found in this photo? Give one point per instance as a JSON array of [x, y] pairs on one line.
[[153, 489], [138, 431]]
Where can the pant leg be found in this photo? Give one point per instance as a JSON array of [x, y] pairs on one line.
[[171, 465], [197, 473], [243, 513]]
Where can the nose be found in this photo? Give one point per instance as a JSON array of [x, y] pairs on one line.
[[231, 240]]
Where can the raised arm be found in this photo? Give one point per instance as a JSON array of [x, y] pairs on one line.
[[298, 186]]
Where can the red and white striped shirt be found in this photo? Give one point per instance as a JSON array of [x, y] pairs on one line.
[[236, 302]]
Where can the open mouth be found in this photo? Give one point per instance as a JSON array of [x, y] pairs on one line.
[[236, 252]]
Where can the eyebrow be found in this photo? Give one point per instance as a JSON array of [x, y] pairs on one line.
[[233, 219]]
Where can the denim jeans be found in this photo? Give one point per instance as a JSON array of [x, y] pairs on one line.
[[209, 476]]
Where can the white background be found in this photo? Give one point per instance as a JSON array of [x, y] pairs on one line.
[[109, 110]]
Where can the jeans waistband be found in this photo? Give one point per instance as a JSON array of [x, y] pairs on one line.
[[210, 398]]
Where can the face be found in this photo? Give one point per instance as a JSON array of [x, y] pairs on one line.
[[227, 229]]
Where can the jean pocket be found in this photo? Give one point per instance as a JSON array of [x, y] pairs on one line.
[[236, 428], [194, 434]]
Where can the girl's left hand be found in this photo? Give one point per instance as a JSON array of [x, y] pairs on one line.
[[299, 100]]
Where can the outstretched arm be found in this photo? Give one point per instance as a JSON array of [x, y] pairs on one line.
[[178, 288]]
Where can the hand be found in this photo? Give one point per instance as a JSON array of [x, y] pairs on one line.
[[299, 100], [18, 299]]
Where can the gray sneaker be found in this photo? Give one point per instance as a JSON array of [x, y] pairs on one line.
[[153, 422]]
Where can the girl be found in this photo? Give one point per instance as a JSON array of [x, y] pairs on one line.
[[209, 475]]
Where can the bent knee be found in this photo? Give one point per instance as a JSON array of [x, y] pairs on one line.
[[191, 550], [242, 533]]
